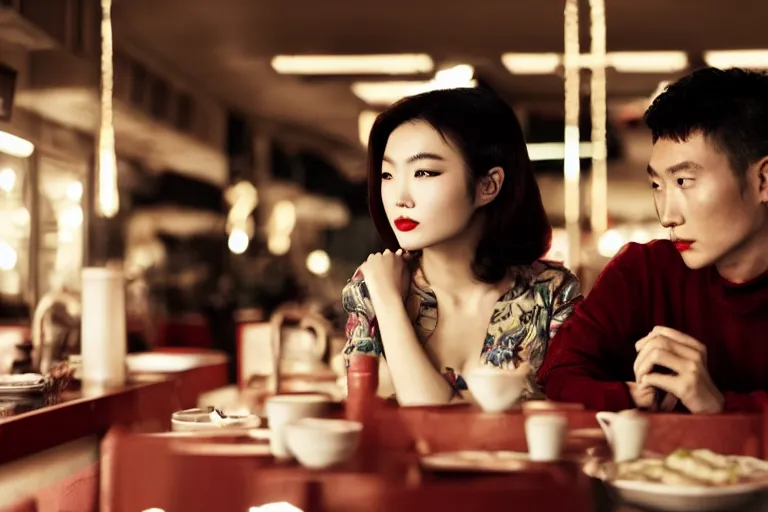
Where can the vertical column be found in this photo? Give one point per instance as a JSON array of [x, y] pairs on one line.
[[262, 171], [599, 188], [93, 253], [107, 200], [571, 160], [103, 333], [33, 189]]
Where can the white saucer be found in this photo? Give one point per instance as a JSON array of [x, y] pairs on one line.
[[476, 461]]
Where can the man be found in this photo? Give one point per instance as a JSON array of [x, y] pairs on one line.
[[683, 323]]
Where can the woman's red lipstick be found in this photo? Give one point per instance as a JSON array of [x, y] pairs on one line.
[[683, 245], [405, 224]]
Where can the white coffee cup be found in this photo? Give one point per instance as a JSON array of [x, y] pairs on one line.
[[282, 410], [545, 434], [496, 389], [625, 431]]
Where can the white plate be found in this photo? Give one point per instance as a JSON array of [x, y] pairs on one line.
[[476, 461], [260, 434], [21, 383], [158, 362], [223, 449], [679, 498]]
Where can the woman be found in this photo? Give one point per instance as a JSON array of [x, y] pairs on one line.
[[453, 196]]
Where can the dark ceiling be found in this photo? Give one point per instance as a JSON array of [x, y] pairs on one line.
[[226, 46]]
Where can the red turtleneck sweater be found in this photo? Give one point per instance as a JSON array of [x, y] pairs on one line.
[[591, 357]]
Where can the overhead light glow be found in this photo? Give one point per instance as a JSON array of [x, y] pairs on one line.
[[623, 62], [610, 243], [238, 241], [647, 62], [540, 151], [279, 244], [386, 93], [531, 63], [364, 124], [8, 256], [7, 179], [318, 262], [15, 146], [750, 59], [392, 64]]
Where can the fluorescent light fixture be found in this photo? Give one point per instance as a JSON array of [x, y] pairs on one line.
[[751, 59], [624, 62], [647, 62], [457, 76], [531, 63], [15, 146], [392, 64], [386, 93], [555, 150]]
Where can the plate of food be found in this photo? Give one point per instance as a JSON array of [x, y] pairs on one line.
[[476, 461], [687, 480]]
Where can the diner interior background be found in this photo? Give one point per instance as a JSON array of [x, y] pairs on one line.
[[242, 182]]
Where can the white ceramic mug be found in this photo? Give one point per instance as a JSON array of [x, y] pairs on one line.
[[545, 436], [625, 431], [282, 410]]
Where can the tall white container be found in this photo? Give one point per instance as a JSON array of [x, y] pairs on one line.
[[103, 332]]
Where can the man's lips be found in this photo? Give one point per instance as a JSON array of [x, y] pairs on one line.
[[682, 245], [405, 224]]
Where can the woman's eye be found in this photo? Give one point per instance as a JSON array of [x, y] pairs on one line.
[[424, 174], [386, 176]]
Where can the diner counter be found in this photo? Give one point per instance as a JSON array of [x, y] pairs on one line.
[[387, 472], [50, 444]]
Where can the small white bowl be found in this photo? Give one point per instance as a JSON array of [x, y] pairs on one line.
[[320, 443], [282, 410], [495, 389]]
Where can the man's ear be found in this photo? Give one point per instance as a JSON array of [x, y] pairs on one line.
[[762, 176], [489, 186]]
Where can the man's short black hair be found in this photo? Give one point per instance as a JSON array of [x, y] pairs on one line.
[[729, 107]]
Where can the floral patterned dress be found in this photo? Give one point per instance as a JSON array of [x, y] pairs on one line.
[[540, 297]]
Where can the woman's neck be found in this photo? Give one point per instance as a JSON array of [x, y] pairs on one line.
[[447, 267], [448, 270]]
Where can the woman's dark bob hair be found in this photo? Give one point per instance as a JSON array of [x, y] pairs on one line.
[[485, 130]]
